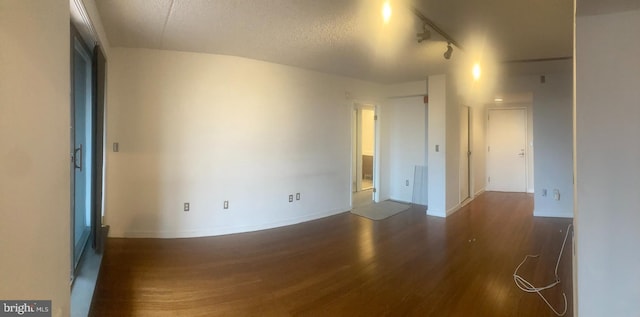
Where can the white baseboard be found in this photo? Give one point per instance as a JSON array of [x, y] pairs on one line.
[[467, 201], [210, 232], [552, 214], [480, 192], [454, 209]]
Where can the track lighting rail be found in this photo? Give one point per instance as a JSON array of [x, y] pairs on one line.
[[435, 27]]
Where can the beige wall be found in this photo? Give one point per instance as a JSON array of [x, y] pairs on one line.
[[34, 156]]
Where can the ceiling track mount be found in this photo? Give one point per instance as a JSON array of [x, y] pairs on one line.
[[435, 27], [536, 60]]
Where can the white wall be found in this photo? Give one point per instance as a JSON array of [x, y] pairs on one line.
[[204, 128], [478, 152], [34, 156], [436, 125], [607, 158], [452, 129], [407, 144], [444, 131], [408, 89], [553, 144], [550, 121]]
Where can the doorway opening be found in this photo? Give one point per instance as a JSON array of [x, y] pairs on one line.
[[363, 163]]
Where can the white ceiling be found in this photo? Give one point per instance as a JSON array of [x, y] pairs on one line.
[[345, 37]]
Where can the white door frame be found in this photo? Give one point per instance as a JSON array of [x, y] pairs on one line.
[[353, 108], [526, 140], [468, 156]]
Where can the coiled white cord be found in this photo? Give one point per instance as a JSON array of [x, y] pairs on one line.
[[529, 288]]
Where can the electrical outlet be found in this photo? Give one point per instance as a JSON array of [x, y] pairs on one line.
[[187, 206], [544, 192], [556, 194], [406, 182], [226, 204], [297, 196], [290, 198]]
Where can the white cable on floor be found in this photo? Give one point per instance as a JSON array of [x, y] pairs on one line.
[[529, 288]]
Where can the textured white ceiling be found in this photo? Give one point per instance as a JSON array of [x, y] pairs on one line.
[[343, 37]]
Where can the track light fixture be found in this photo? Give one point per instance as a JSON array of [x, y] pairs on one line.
[[447, 54], [425, 35], [427, 22]]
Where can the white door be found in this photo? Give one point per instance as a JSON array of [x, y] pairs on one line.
[[506, 157], [465, 191]]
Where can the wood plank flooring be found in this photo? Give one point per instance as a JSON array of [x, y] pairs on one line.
[[345, 265]]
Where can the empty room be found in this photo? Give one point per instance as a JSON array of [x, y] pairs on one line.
[[319, 158]]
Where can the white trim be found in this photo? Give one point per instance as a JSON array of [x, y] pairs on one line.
[[453, 210], [219, 231], [466, 201], [82, 21], [553, 214], [478, 193]]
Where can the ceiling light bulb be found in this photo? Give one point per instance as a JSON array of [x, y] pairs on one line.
[[386, 12], [447, 54], [476, 71]]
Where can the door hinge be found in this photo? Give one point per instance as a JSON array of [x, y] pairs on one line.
[[374, 190], [375, 117]]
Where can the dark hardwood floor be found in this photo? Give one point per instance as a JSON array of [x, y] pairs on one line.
[[345, 265]]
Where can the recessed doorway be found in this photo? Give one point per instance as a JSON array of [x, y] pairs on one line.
[[363, 163]]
